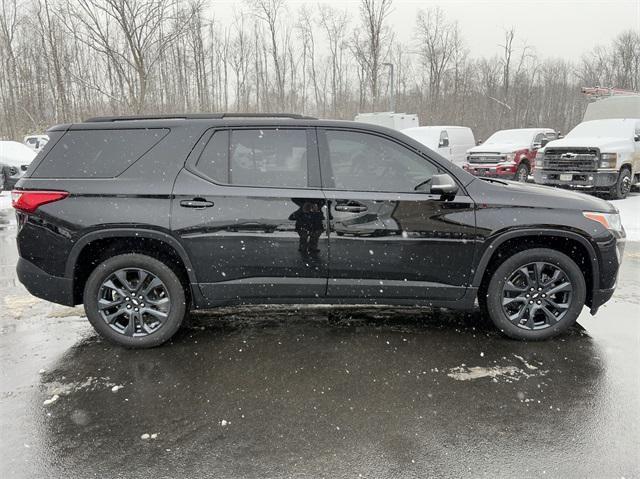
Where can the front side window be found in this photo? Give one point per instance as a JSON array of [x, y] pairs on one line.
[[256, 157], [365, 162]]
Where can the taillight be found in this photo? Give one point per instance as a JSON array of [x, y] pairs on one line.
[[30, 200]]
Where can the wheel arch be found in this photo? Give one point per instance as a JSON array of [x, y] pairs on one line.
[[573, 244], [98, 245]]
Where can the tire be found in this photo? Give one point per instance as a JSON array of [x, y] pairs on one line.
[[621, 189], [109, 301], [534, 317], [522, 173]]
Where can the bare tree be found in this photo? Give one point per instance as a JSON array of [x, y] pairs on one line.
[[370, 48], [438, 43]]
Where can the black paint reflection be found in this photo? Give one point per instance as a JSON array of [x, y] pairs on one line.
[[309, 224]]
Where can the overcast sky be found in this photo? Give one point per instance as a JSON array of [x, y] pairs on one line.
[[556, 28]]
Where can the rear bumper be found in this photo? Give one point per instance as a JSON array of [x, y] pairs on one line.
[[578, 179], [43, 285]]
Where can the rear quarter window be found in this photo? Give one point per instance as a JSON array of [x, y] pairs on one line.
[[97, 153]]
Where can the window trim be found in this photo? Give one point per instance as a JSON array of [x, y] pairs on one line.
[[325, 163], [313, 162]]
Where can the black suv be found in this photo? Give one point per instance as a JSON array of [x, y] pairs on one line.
[[143, 218]]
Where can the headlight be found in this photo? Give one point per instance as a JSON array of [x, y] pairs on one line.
[[539, 159], [611, 221], [608, 160]]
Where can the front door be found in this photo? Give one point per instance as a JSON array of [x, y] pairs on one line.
[[389, 237], [249, 211]]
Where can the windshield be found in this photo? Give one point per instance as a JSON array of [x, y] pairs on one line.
[[602, 129], [516, 137]]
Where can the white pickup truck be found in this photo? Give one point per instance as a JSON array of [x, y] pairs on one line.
[[599, 155]]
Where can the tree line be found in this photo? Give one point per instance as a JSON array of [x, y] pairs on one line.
[[65, 60]]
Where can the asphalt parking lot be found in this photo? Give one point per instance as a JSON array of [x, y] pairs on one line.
[[318, 392]]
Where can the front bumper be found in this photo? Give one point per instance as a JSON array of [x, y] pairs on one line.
[[610, 253], [491, 170], [603, 179], [43, 285]]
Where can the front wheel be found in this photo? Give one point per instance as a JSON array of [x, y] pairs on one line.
[[621, 189], [135, 301], [522, 173], [536, 294]]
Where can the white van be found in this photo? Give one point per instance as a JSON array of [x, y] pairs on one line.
[[452, 142]]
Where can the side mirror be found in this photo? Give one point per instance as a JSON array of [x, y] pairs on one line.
[[443, 142], [536, 146], [636, 137], [544, 142], [443, 185]]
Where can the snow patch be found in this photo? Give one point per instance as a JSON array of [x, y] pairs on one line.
[[5, 200], [630, 214], [462, 373], [529, 366], [51, 400], [89, 384]]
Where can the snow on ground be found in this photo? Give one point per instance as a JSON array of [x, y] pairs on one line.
[[5, 200], [630, 213]]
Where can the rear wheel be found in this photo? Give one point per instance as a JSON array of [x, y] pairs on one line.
[[536, 294], [135, 301], [522, 173], [622, 187]]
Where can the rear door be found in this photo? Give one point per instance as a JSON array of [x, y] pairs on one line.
[[249, 209], [389, 237]]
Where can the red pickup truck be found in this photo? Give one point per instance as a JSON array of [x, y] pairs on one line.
[[508, 154]]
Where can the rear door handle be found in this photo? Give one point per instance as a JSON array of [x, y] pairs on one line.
[[198, 203], [351, 208]]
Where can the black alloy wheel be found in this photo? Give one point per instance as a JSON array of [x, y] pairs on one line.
[[135, 301], [535, 294]]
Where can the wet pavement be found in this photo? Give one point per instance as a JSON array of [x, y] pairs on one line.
[[318, 392]]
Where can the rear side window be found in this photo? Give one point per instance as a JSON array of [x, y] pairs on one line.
[[260, 157], [97, 153]]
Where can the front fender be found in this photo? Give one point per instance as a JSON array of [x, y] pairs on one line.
[[492, 244]]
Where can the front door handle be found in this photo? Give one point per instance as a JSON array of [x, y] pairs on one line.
[[198, 203], [351, 208]]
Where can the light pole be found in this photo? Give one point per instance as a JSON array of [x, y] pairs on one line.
[[392, 99]]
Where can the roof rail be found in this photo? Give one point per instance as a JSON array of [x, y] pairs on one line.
[[198, 116]]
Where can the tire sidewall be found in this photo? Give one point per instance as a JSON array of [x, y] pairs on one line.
[[506, 269], [163, 272], [522, 166], [619, 193]]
